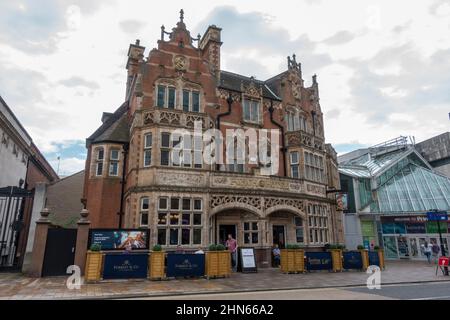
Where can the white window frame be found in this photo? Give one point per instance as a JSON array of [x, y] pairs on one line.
[[249, 104], [296, 164], [148, 149], [144, 211]]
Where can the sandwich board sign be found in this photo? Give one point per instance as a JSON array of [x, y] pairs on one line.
[[248, 261]]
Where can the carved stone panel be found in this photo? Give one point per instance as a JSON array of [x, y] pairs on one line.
[[180, 179]]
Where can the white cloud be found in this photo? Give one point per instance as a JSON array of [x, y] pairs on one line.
[[62, 63]]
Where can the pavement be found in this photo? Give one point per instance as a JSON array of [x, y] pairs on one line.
[[17, 286], [417, 291]]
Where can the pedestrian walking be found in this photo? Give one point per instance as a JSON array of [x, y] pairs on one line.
[[232, 247], [435, 251], [427, 251]]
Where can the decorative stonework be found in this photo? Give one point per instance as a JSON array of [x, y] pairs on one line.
[[220, 200], [301, 138], [180, 179], [256, 183], [149, 118], [180, 63], [273, 202], [170, 118], [315, 189], [191, 119], [252, 90], [223, 94]]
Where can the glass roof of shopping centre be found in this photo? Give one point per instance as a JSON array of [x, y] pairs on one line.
[[402, 182], [413, 189]]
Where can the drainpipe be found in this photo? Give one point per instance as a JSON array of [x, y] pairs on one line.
[[220, 115], [283, 146], [122, 191]]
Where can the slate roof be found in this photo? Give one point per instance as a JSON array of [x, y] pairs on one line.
[[234, 81], [114, 129]]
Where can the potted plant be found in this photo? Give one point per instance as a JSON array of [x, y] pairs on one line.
[[218, 261], [364, 256], [292, 259], [336, 256], [157, 263], [94, 261], [380, 256]]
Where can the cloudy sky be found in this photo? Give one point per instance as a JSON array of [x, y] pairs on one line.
[[383, 66]]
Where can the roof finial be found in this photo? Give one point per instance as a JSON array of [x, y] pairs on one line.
[[181, 15]]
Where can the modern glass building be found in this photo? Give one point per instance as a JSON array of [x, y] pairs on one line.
[[390, 189]]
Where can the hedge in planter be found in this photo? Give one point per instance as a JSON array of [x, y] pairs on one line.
[[94, 261], [364, 256], [292, 259], [336, 256], [218, 261], [157, 263]]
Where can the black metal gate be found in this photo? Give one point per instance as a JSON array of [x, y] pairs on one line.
[[59, 251], [12, 206]]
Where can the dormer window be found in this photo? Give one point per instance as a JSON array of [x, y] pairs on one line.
[[251, 111], [191, 101], [166, 97]]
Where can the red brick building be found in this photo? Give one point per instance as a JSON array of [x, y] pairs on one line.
[[131, 182]]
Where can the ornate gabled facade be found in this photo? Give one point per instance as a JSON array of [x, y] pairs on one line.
[[178, 84]]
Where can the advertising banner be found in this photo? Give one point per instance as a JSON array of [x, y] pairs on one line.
[[341, 201], [415, 228], [318, 261], [185, 265], [125, 266], [352, 260], [119, 239]]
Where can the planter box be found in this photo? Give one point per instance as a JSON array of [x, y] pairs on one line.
[[365, 258], [381, 257], [93, 269], [336, 257], [157, 265], [218, 264], [292, 260]]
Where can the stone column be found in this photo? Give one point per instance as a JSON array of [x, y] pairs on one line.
[[82, 240], [40, 241]]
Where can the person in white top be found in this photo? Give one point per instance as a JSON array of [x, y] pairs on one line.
[[427, 248]]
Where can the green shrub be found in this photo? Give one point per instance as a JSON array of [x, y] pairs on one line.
[[220, 247], [96, 247], [360, 247], [292, 246], [212, 247], [157, 247], [376, 248]]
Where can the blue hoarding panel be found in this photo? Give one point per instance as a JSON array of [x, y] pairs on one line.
[[125, 266], [185, 265], [318, 261], [374, 259], [352, 260]]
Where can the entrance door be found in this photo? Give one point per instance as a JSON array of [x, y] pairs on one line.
[[225, 230], [59, 251], [414, 248], [403, 249], [279, 236], [390, 247]]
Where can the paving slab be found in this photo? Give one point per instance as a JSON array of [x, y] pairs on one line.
[[18, 286]]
